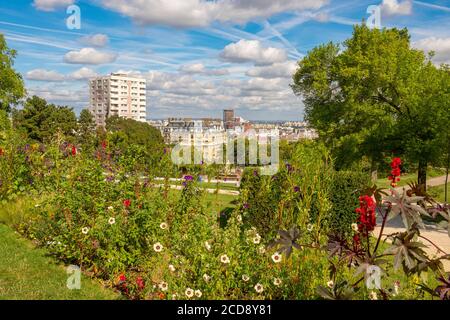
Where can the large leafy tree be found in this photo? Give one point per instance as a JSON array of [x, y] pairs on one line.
[[86, 128], [11, 83], [41, 121], [374, 96], [128, 132]]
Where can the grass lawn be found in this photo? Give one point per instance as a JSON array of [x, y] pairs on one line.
[[383, 182], [438, 193], [215, 202], [26, 273]]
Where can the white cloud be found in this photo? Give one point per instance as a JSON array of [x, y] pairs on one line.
[[52, 76], [89, 56], [95, 40], [193, 68], [201, 13], [199, 68], [440, 46], [83, 74], [252, 51], [277, 70], [51, 5], [44, 75], [396, 7]]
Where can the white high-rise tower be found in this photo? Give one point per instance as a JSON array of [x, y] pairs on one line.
[[117, 94]]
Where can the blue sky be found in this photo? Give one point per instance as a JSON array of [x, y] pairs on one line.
[[198, 56]]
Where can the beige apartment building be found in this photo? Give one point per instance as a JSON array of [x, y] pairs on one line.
[[117, 94]]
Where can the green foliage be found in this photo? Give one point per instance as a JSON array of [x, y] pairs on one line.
[[86, 130], [11, 83], [375, 96], [27, 273], [41, 121], [296, 196], [345, 190]]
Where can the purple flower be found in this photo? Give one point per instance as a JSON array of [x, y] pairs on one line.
[[246, 206], [296, 189], [289, 168], [188, 178]]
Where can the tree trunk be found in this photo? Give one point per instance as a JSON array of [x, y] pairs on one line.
[[422, 174]]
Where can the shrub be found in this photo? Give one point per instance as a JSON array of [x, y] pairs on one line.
[[345, 189]]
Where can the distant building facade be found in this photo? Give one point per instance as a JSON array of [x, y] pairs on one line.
[[228, 119], [117, 94]]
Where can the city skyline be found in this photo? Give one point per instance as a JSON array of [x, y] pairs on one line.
[[197, 57]]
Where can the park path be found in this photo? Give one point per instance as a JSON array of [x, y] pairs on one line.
[[438, 236], [431, 232], [209, 190], [433, 182]]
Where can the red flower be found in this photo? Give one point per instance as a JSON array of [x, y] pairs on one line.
[[122, 278], [74, 150], [395, 172], [104, 144], [140, 283], [1, 152], [366, 220], [127, 203]]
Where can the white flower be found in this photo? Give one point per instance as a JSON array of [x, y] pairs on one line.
[[224, 259], [206, 277], [189, 293], [262, 250], [330, 284], [257, 239], [157, 247], [276, 257], [111, 221], [37, 205], [310, 227], [163, 286], [171, 268], [110, 208], [396, 288], [198, 293], [174, 296], [239, 218], [85, 230], [373, 295], [259, 288], [277, 281], [163, 226], [355, 227], [207, 246], [245, 277]]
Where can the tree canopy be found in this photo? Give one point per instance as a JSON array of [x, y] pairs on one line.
[[11, 83], [41, 120], [374, 96]]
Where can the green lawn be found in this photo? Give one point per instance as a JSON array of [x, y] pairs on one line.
[[383, 182], [26, 273], [210, 185], [215, 202], [438, 193]]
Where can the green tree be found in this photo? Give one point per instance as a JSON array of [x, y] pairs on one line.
[[41, 120], [136, 139], [11, 83], [374, 96], [86, 128]]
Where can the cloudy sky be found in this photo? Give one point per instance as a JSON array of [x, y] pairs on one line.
[[198, 56]]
